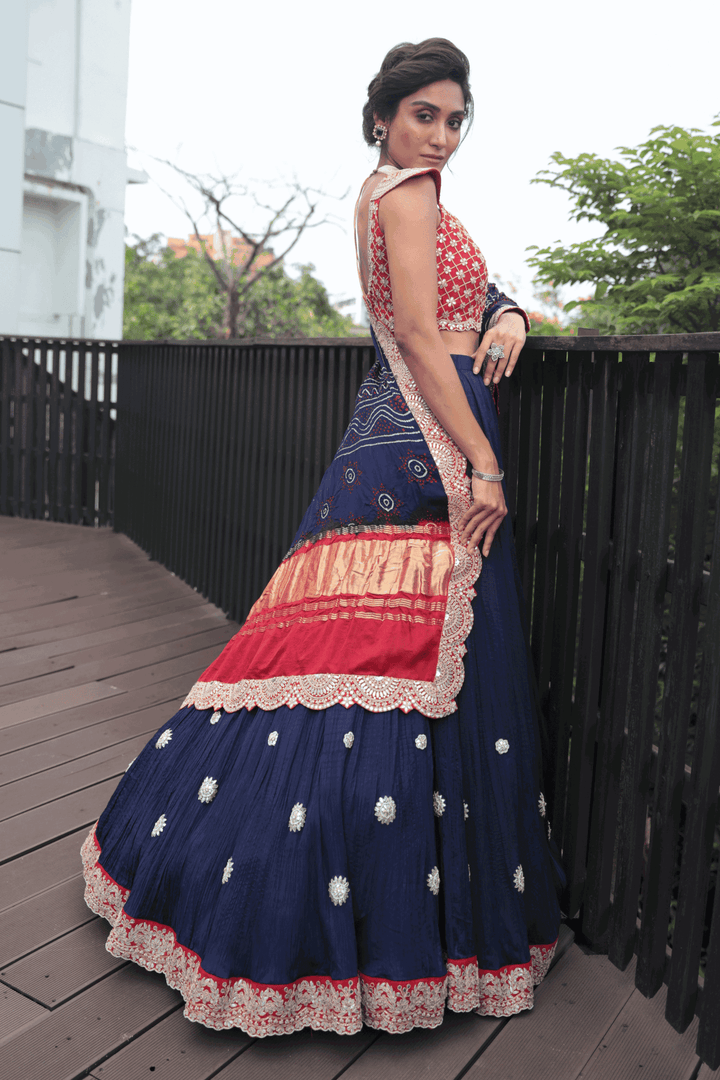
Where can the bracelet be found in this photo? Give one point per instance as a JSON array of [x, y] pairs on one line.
[[488, 475]]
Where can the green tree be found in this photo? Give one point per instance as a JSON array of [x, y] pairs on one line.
[[656, 266], [180, 298], [167, 297]]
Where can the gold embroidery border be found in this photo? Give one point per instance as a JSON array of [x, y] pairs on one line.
[[315, 1001]]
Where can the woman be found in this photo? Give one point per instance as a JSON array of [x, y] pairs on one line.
[[344, 822]]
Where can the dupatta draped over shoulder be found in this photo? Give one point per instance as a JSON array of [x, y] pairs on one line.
[[372, 603]]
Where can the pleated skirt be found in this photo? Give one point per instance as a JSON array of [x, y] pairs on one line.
[[339, 867]]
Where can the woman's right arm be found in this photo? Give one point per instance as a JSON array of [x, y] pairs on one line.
[[408, 218]]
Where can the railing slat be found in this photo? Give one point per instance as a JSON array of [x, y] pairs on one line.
[[592, 618], [654, 529], [679, 668], [633, 415], [701, 823], [567, 588]]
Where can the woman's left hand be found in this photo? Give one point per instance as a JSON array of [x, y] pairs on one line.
[[509, 333]]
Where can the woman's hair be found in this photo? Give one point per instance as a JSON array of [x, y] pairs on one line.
[[407, 68]]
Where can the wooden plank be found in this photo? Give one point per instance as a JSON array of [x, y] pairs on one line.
[[306, 1055], [32, 760], [26, 584], [17, 1012], [175, 1049], [121, 615], [110, 665], [24, 795], [706, 1073], [37, 827], [36, 922], [42, 869], [171, 691], [640, 1043], [64, 967], [439, 1053], [123, 639], [193, 665], [138, 596], [72, 1039], [558, 1036], [45, 704]]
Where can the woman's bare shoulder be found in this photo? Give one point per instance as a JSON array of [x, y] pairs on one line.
[[414, 199]]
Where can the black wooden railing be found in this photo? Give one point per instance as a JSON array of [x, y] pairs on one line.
[[57, 429], [611, 448]]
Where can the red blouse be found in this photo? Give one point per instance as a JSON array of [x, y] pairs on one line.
[[461, 268]]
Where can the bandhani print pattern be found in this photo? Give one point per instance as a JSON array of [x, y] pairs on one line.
[[316, 1001]]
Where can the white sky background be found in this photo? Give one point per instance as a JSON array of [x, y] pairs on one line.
[[275, 89]]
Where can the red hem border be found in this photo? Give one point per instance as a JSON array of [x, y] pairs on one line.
[[315, 1001]]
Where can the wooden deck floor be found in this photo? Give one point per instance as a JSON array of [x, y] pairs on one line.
[[98, 645]]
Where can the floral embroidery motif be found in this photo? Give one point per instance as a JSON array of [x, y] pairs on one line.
[[542, 805], [519, 879], [216, 716], [433, 881], [159, 825], [439, 804], [421, 742], [399, 1006], [297, 817], [348, 739], [502, 746], [227, 871], [272, 738], [208, 790], [549, 831], [338, 890], [325, 1004], [164, 739], [466, 810], [469, 873], [385, 810], [131, 763]]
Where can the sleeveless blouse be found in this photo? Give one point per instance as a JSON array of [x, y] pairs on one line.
[[462, 275]]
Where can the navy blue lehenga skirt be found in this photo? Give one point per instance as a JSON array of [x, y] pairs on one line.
[[352, 866]]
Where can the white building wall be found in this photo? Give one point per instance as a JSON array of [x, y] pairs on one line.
[[12, 149], [70, 228]]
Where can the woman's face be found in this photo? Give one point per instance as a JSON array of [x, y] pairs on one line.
[[426, 128]]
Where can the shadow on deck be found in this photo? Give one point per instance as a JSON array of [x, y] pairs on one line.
[[98, 645]]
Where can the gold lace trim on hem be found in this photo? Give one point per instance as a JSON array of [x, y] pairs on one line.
[[318, 1002]]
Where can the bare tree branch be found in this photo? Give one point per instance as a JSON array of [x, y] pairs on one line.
[[238, 273]]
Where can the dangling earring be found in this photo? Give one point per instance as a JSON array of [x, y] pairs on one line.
[[379, 133]]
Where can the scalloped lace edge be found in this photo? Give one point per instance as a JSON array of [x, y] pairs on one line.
[[319, 1002]]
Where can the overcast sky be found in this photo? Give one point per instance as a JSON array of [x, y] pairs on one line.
[[274, 89]]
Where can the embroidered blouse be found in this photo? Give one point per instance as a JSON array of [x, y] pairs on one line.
[[466, 300]]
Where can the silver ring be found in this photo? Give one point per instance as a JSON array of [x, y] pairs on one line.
[[496, 352]]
